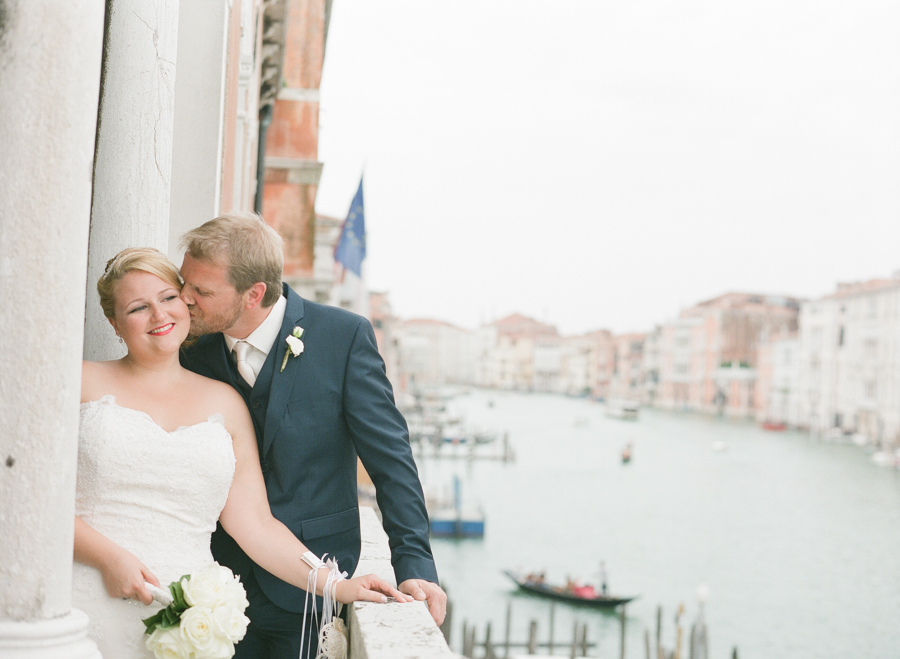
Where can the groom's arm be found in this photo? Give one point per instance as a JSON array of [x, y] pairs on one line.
[[382, 442]]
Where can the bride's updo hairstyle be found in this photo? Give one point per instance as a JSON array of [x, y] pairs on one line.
[[143, 259]]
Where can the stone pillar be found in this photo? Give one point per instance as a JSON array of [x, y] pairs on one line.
[[49, 84], [133, 164], [199, 99]]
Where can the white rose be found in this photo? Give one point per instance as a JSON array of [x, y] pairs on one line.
[[168, 644], [235, 596], [222, 649], [198, 629], [295, 344], [206, 587], [231, 624]]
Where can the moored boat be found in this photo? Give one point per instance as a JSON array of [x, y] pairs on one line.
[[453, 521], [622, 409]]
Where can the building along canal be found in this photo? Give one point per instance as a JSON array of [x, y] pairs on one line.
[[797, 541]]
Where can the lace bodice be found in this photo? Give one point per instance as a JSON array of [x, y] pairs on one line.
[[155, 493]]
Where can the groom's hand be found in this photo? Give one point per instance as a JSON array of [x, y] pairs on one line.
[[431, 593]]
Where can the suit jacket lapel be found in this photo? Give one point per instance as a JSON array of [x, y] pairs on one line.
[[221, 362], [283, 381]]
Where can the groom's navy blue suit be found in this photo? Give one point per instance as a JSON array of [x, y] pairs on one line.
[[331, 403]]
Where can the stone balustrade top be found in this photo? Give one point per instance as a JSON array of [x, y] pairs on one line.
[[394, 630]]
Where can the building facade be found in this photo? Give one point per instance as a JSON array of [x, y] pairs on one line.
[[849, 366], [708, 356]]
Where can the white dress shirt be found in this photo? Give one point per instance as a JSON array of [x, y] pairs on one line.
[[263, 338]]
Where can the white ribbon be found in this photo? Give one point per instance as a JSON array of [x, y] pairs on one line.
[[333, 640]]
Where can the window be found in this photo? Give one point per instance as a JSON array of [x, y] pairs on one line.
[[871, 389], [870, 349], [815, 337]]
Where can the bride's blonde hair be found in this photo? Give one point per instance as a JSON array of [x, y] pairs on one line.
[[143, 259]]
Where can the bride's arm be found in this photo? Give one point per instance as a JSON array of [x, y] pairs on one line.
[[123, 574], [269, 543]]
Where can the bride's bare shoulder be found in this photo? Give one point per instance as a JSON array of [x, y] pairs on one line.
[[95, 379], [216, 391], [224, 399]]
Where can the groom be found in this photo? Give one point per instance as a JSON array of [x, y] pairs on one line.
[[314, 411]]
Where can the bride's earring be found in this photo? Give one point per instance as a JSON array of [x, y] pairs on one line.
[[120, 340]]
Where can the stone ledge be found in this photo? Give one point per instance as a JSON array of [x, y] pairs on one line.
[[298, 171], [393, 630]]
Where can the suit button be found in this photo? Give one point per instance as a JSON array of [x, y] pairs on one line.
[[265, 467], [255, 405]]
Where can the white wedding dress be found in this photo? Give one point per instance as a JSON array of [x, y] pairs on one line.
[[155, 493]]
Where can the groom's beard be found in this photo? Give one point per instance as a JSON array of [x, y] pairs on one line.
[[211, 323]]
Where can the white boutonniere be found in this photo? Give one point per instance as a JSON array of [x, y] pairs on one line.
[[294, 346]]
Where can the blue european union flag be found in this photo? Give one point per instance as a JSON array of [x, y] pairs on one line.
[[351, 247]]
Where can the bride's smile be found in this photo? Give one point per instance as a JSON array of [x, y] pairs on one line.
[[165, 329]]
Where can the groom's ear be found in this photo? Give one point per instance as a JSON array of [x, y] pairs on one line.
[[254, 295]]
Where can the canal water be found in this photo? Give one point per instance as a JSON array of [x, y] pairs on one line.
[[798, 542]]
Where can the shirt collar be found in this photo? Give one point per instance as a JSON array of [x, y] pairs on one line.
[[264, 336]]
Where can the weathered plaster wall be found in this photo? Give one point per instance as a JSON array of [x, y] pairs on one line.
[[133, 168], [292, 143]]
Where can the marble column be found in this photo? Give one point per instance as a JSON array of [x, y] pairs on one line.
[[50, 54], [199, 117], [133, 166]]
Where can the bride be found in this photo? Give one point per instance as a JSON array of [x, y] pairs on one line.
[[164, 453]]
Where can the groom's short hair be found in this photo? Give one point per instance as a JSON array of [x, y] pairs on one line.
[[251, 250]]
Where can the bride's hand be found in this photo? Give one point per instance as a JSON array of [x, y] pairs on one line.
[[369, 588], [124, 576]]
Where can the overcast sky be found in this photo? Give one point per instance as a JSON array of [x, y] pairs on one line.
[[605, 163]]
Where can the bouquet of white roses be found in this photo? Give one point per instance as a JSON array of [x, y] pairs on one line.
[[204, 619]]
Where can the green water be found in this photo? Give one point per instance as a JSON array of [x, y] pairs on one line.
[[797, 541]]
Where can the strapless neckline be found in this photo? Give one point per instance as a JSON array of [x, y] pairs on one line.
[[110, 399]]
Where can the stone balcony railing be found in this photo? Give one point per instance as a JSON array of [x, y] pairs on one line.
[[394, 630]]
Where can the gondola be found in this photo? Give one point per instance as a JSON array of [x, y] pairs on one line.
[[564, 595]]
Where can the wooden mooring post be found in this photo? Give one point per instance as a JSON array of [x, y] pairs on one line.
[[578, 647], [508, 625], [447, 625], [659, 652], [532, 637], [490, 646]]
